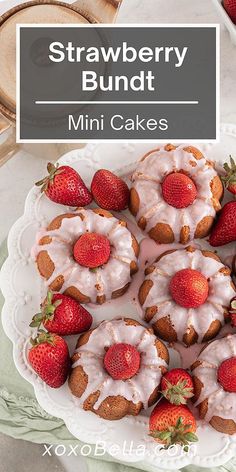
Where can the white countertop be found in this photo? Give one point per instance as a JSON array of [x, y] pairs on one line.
[[18, 175]]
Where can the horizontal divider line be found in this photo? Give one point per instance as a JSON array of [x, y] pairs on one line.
[[114, 102]]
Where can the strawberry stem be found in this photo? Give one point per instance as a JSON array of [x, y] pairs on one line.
[[177, 394], [47, 313], [53, 170], [42, 337], [230, 177], [178, 434]]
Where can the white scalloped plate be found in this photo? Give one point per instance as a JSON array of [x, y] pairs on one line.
[[23, 290]]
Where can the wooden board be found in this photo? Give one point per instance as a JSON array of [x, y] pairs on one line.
[[41, 11]]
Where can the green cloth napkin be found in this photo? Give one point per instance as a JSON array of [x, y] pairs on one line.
[[22, 417]]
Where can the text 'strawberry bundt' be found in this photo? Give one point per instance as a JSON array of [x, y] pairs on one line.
[[175, 194], [117, 368], [186, 295], [99, 269], [214, 377]]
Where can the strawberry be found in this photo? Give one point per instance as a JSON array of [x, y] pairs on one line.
[[178, 190], [177, 386], [229, 179], [64, 185], [172, 424], [109, 191], [232, 311], [92, 250], [49, 357], [227, 374], [189, 288], [62, 315], [224, 231], [230, 7], [122, 361]]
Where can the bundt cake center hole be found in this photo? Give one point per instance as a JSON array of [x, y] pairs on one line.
[[189, 288], [122, 361], [179, 190], [92, 250], [227, 374]]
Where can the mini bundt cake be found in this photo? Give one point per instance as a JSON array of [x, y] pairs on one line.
[[175, 194], [117, 369], [214, 376], [107, 276], [186, 294]]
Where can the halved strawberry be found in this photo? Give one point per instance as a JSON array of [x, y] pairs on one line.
[[232, 311]]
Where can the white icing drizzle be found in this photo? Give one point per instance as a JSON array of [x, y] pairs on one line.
[[220, 402], [147, 181], [220, 292], [138, 388], [112, 276]]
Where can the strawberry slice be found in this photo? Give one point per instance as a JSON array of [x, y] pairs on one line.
[[232, 311]]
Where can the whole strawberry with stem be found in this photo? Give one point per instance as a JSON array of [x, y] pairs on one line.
[[62, 315], [229, 179], [109, 191], [224, 231], [64, 185], [49, 357], [232, 311], [177, 386], [172, 424]]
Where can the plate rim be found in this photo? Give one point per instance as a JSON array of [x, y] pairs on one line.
[[39, 387]]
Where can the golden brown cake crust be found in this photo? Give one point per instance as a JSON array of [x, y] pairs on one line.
[[227, 426], [46, 266], [163, 233], [163, 327], [112, 408]]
